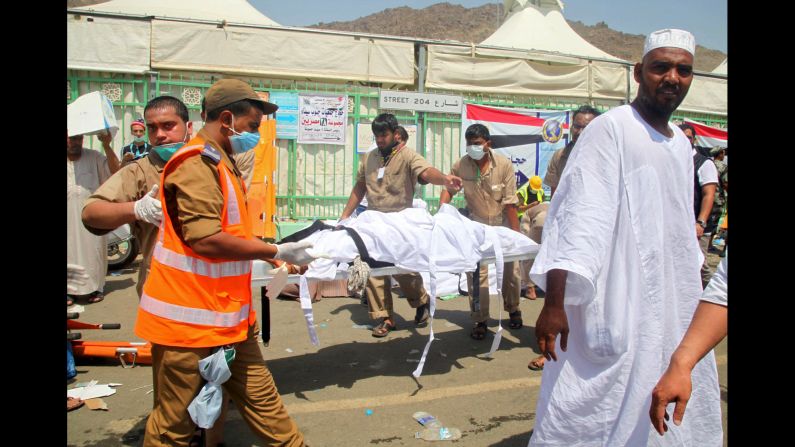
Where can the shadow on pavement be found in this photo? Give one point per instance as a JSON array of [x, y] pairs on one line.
[[343, 364]]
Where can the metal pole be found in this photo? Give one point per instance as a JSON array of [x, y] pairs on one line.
[[629, 79], [153, 93], [421, 70]]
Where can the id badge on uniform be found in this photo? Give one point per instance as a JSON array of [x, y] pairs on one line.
[[380, 173]]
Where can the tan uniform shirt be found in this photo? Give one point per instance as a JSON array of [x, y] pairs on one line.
[[130, 183], [488, 192], [193, 196], [135, 179], [245, 163], [556, 165], [395, 191]]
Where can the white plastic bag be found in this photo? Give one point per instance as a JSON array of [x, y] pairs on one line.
[[206, 407]]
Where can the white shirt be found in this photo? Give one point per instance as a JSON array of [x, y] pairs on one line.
[[707, 173], [621, 224], [83, 177], [717, 289]]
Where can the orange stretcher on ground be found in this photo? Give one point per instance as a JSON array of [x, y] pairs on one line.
[[128, 353]]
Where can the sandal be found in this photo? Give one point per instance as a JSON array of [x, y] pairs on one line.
[[383, 329], [422, 314], [96, 297], [73, 403], [479, 331], [515, 321], [537, 364]]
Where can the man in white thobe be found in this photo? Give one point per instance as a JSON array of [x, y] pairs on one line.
[[86, 169], [619, 263]]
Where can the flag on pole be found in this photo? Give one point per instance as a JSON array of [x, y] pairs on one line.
[[527, 137], [709, 137]]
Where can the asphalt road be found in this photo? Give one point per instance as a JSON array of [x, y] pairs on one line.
[[329, 389]]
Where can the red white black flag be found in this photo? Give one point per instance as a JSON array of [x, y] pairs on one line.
[[709, 137], [526, 137]]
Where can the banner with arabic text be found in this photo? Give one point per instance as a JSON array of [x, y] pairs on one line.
[[322, 119]]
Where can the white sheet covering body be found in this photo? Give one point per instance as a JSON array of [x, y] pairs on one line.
[[621, 223], [404, 239]]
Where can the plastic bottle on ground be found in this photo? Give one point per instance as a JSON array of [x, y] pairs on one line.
[[433, 429]]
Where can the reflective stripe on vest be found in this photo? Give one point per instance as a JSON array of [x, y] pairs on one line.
[[233, 209], [198, 266], [192, 315]]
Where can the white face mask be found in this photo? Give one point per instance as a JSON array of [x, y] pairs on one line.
[[476, 152]]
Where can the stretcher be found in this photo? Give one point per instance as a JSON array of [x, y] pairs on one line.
[[260, 277], [128, 353]]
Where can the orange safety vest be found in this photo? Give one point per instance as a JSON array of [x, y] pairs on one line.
[[191, 300]]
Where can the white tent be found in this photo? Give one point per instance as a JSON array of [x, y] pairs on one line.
[[228, 37], [539, 25], [723, 68], [235, 11], [534, 52]]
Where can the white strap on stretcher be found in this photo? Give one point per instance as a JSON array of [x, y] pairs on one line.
[[306, 306], [432, 296], [491, 235]]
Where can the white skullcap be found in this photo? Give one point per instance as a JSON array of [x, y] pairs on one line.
[[675, 38]]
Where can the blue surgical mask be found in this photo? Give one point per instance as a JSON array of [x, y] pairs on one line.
[[167, 150], [242, 142], [139, 139]]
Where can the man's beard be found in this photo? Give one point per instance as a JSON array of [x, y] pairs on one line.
[[658, 108]]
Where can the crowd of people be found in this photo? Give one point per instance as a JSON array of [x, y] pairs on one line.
[[617, 267]]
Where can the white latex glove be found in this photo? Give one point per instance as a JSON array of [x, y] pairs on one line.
[[344, 222], [148, 208], [75, 276], [295, 252]]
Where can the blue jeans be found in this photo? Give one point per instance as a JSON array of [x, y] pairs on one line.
[[70, 362]]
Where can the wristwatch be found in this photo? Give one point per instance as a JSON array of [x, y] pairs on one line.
[[702, 223]]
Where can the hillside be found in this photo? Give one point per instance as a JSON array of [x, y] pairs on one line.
[[445, 21]]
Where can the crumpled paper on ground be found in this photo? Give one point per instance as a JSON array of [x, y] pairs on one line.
[[91, 391]]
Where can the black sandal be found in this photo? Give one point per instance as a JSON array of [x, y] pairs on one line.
[[96, 297], [422, 314], [383, 329], [479, 331], [515, 320]]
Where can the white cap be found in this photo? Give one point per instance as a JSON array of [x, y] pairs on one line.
[[669, 37]]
